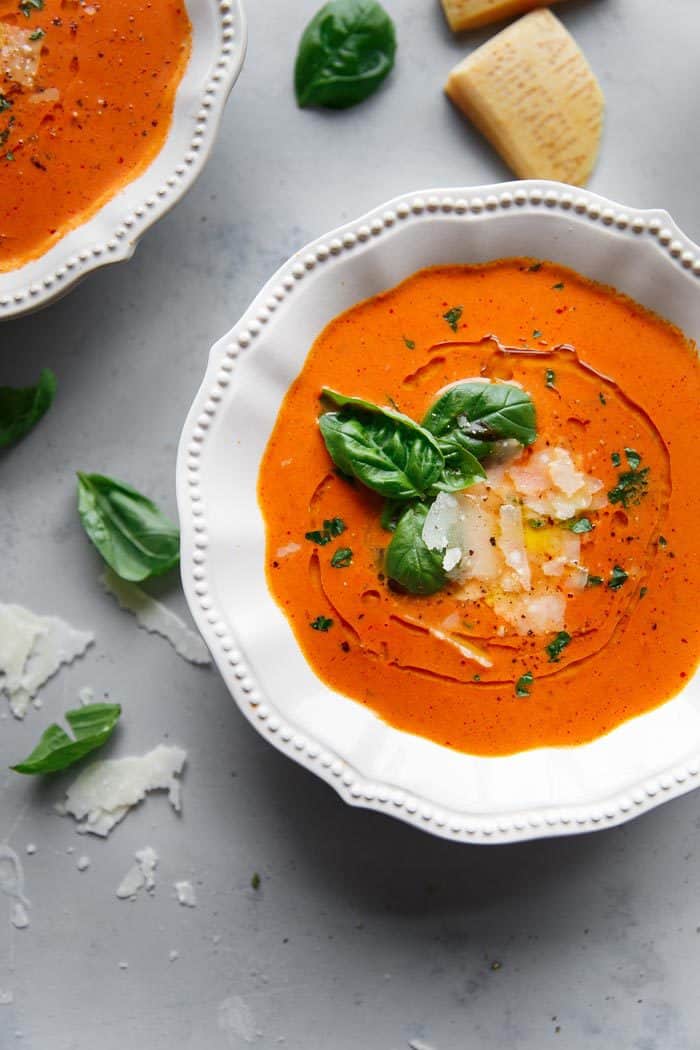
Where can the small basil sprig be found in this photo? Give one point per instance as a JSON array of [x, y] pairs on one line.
[[21, 408], [133, 536], [408, 561], [92, 726], [481, 413], [385, 450], [345, 53]]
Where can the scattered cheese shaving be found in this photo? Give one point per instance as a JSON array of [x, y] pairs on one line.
[[156, 618], [19, 54], [140, 875], [32, 649], [186, 894], [12, 886], [104, 793]]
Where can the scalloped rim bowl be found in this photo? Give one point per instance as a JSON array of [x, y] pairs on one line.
[[110, 235], [546, 791]]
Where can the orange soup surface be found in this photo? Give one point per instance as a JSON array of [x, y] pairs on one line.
[[547, 598], [86, 98]]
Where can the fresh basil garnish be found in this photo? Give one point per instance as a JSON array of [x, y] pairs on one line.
[[484, 412], [557, 646], [133, 536], [618, 576], [522, 686], [21, 408], [462, 468], [321, 623], [453, 316], [384, 449], [92, 725], [409, 562], [345, 52], [342, 558]]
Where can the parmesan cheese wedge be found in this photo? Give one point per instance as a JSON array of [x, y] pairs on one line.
[[469, 14], [532, 94]]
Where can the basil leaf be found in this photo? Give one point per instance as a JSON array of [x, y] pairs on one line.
[[409, 562], [321, 623], [345, 53], [580, 526], [385, 450], [129, 531], [342, 558], [557, 646], [21, 408], [484, 412], [522, 686], [92, 726], [462, 468]]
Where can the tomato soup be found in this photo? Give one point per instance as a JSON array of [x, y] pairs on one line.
[[525, 573], [86, 99]]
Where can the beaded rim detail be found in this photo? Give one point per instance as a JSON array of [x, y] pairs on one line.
[[352, 786], [111, 234]]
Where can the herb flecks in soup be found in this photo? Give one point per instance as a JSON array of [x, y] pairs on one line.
[[86, 98], [516, 568]]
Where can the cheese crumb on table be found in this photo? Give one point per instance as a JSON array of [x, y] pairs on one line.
[[106, 790]]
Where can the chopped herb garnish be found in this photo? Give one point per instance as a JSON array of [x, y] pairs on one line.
[[9, 156], [409, 343], [558, 287], [643, 592], [615, 458], [631, 487], [331, 527], [38, 34], [342, 558], [27, 6], [594, 581], [536, 334], [476, 678], [663, 542], [550, 378], [522, 686], [618, 576], [453, 317], [321, 623], [557, 646], [334, 526], [316, 536], [633, 458], [5, 103], [534, 268], [535, 523], [601, 395], [581, 525], [255, 881]]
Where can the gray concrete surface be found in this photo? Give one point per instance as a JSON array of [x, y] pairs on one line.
[[364, 933]]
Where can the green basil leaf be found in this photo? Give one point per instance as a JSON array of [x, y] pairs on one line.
[[409, 562], [484, 412], [384, 449], [133, 536], [462, 468], [92, 726], [21, 408], [345, 53]]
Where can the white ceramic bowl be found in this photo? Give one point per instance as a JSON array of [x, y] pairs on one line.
[[110, 235], [548, 791]]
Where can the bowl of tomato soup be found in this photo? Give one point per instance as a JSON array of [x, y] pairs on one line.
[[437, 529], [107, 114]]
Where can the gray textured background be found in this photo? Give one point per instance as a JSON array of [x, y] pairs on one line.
[[364, 933]]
